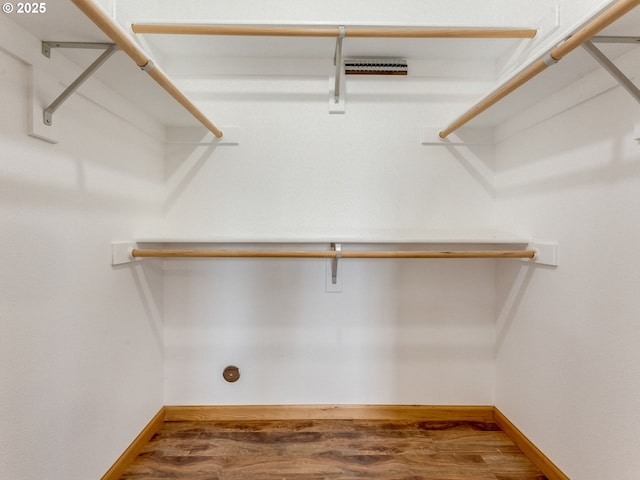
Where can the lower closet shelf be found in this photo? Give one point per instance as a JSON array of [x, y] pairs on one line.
[[536, 252]]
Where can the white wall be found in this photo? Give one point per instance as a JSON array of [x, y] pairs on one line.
[[81, 345], [567, 339], [400, 331], [301, 173], [82, 362]]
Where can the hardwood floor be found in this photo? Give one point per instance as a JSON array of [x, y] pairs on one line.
[[331, 449]]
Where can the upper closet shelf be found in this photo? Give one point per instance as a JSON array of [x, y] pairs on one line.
[[514, 66], [121, 38], [578, 38], [479, 237]]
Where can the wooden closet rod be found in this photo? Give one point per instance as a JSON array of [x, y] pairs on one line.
[[321, 31], [166, 253], [96, 13], [602, 21]]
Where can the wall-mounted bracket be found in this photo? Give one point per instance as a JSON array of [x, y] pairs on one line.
[[111, 48], [615, 39], [336, 95], [337, 62], [334, 281], [121, 253], [609, 66], [334, 262], [546, 253], [47, 47]]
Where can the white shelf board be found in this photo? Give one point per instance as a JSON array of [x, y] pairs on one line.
[[546, 252], [346, 239]]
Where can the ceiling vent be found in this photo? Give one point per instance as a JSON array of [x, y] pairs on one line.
[[375, 66]]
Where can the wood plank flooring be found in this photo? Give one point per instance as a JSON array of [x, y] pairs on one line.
[[331, 450]]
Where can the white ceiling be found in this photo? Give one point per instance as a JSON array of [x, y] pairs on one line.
[[64, 22]]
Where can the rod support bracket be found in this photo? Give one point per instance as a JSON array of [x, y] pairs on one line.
[[333, 280], [336, 247], [336, 103], [121, 253], [606, 63], [109, 49], [48, 46], [547, 253]]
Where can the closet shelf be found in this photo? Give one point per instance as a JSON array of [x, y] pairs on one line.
[[479, 237], [274, 253], [241, 57], [578, 38], [98, 15], [535, 252]]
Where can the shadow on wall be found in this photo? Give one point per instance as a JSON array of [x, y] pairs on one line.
[[471, 158], [591, 151], [422, 332], [570, 180], [401, 331], [509, 295], [510, 292], [147, 278], [443, 325], [186, 165]]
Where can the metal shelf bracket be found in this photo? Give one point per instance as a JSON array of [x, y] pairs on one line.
[[334, 262], [337, 61], [609, 66], [336, 100], [109, 49]]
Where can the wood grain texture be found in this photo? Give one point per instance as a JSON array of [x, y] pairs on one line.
[[508, 87], [528, 448], [140, 442], [113, 30], [482, 413], [361, 32], [331, 449]]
